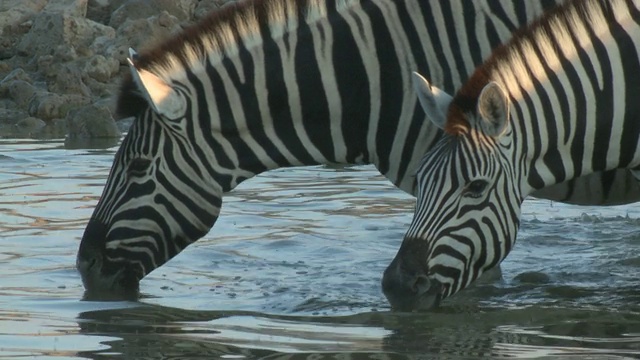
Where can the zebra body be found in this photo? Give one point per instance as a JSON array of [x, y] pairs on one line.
[[273, 83], [557, 102]]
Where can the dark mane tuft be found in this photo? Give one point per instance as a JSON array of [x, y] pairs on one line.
[[130, 102]]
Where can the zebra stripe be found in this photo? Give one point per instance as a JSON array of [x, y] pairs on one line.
[[555, 103], [273, 83]]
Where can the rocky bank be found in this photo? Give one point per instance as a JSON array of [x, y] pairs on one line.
[[61, 61]]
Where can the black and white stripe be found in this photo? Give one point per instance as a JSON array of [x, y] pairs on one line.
[[272, 83], [557, 102]]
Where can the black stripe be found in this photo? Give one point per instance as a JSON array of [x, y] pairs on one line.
[[448, 84], [176, 165], [159, 253], [631, 67], [552, 157], [603, 100], [190, 231], [353, 86], [204, 120], [313, 99], [470, 20], [251, 110], [278, 98], [391, 89]]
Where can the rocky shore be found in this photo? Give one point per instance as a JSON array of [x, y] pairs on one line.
[[61, 61]]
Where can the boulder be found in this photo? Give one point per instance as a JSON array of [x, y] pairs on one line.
[[205, 7], [11, 116], [48, 106], [30, 124], [15, 12], [92, 121], [101, 68], [139, 34], [68, 7], [21, 92], [143, 9], [51, 31], [69, 80], [16, 75]]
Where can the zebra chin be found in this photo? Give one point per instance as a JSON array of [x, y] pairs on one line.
[[121, 285], [104, 279]]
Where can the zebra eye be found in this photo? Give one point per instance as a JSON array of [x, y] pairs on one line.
[[475, 188], [138, 166]]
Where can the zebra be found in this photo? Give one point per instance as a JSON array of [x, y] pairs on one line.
[[265, 84], [555, 103]]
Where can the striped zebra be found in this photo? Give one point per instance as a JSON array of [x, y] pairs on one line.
[[265, 84], [559, 101]]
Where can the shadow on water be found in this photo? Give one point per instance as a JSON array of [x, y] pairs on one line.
[[463, 332]]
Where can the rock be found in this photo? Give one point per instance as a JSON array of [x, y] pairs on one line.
[[15, 12], [143, 9], [21, 92], [205, 7], [50, 31], [5, 68], [100, 68], [92, 121], [533, 277], [103, 90], [99, 11], [60, 63], [139, 34], [31, 124], [12, 116], [7, 104], [16, 75], [48, 106], [69, 80], [67, 7]]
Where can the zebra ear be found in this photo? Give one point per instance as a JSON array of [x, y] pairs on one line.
[[493, 108], [164, 99], [434, 101]]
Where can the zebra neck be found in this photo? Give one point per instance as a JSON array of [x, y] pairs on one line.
[[574, 87], [285, 82], [315, 97]]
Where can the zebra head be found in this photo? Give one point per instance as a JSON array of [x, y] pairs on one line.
[[158, 198], [468, 202]]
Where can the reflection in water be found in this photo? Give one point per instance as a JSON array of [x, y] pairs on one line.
[[292, 269], [148, 331]]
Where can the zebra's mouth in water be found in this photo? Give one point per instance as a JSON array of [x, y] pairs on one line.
[[407, 290], [423, 298], [121, 285], [105, 278]]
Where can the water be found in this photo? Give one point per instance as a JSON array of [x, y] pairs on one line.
[[292, 268]]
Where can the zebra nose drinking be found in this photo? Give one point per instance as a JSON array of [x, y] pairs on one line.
[[104, 279], [407, 287]]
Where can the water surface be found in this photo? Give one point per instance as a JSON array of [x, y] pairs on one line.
[[292, 269]]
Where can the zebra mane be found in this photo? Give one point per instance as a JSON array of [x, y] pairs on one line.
[[217, 36], [515, 64]]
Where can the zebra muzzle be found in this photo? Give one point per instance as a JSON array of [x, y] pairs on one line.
[[104, 279], [409, 288]]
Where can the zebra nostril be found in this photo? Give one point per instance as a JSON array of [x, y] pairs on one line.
[[421, 285]]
